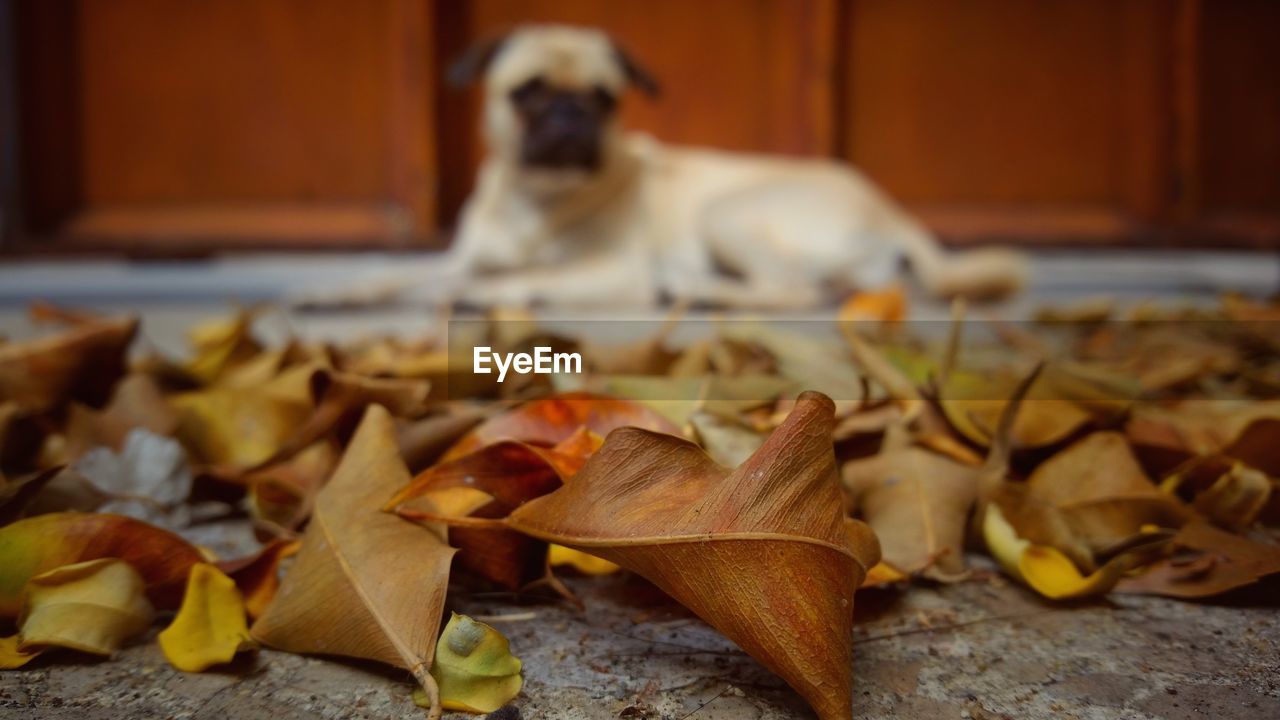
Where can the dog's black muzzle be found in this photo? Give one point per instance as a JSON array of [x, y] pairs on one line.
[[563, 129]]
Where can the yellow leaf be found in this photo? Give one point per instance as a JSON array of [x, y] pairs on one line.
[[580, 561], [1054, 576], [1003, 542], [11, 654], [91, 606], [474, 668], [882, 574], [221, 343], [235, 427], [1044, 569], [210, 626]]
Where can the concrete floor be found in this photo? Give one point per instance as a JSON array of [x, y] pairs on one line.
[[981, 649]]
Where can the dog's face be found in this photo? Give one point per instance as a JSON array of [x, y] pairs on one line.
[[551, 96]]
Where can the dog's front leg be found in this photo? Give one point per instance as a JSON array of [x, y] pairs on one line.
[[705, 286], [600, 280]]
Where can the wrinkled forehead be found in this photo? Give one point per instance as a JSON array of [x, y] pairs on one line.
[[565, 57]]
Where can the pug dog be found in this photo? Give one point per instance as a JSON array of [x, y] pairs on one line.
[[571, 209]]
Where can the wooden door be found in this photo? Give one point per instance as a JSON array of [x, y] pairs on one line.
[[185, 125], [1021, 119], [1071, 121], [170, 125], [1231, 139]]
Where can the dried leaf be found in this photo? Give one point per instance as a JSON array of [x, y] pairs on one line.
[[80, 364], [281, 494], [235, 429], [1102, 493], [1258, 445], [257, 575], [762, 552], [810, 361], [340, 400], [1226, 491], [135, 403], [209, 628], [510, 474], [18, 493], [584, 563], [220, 344], [973, 404], [12, 656], [678, 398], [424, 440], [882, 574], [888, 304], [649, 356], [918, 503], [1044, 569], [877, 367], [1205, 562], [39, 544], [474, 668], [554, 419], [727, 441], [1245, 430], [91, 606], [366, 584]]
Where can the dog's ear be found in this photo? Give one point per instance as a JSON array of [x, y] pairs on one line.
[[472, 64], [636, 74]]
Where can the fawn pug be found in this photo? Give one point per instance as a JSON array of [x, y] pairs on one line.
[[569, 208]]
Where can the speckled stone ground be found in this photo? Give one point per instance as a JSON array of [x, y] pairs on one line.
[[983, 649], [980, 649]]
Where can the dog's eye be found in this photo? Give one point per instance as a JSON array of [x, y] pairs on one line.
[[530, 91], [603, 99]]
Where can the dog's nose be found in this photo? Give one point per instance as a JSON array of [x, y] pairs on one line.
[[567, 115]]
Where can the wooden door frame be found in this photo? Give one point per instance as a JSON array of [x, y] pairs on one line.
[[10, 146]]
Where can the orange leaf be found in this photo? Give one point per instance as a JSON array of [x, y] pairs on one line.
[[555, 419], [512, 473], [887, 304]]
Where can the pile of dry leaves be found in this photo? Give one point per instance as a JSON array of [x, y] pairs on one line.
[[1084, 455]]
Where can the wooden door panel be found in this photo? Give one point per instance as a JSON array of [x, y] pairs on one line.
[[737, 74], [268, 120], [1004, 113], [233, 100], [1239, 111]]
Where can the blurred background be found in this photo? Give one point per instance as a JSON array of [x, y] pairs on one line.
[[165, 127], [164, 155]]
